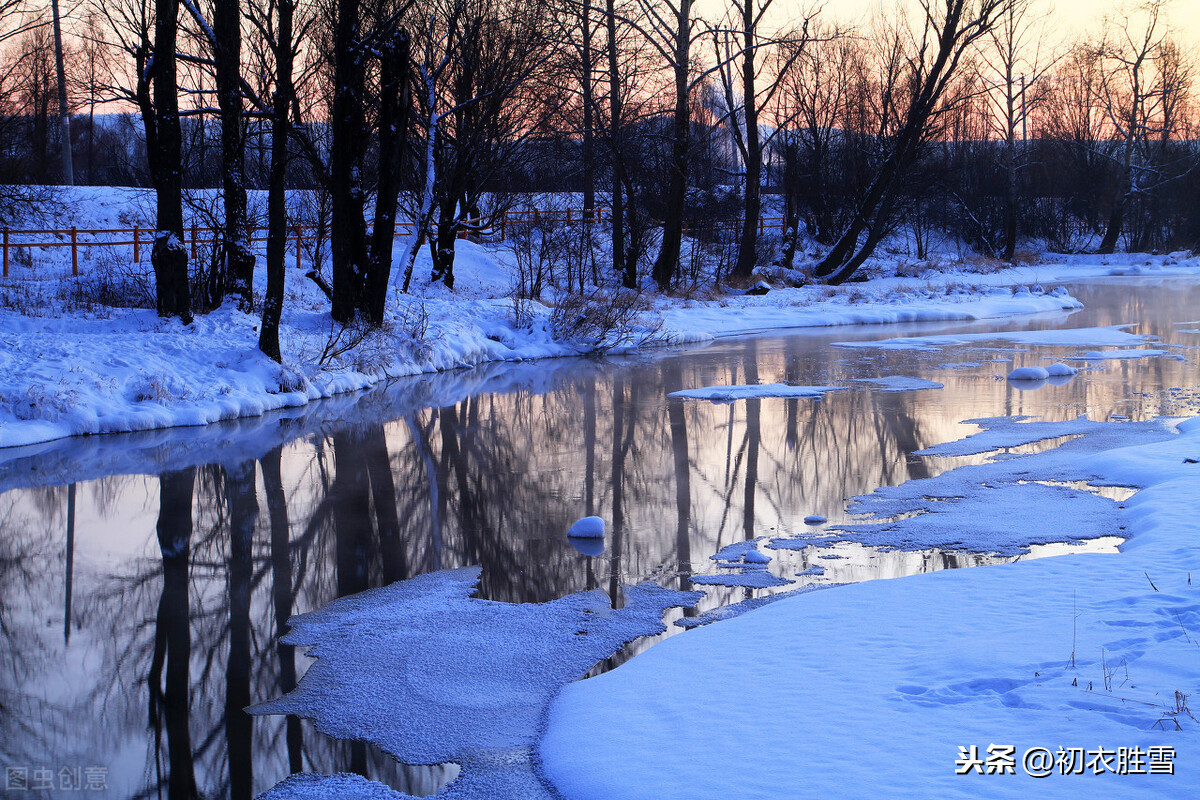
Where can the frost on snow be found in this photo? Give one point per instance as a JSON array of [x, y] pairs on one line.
[[432, 675]]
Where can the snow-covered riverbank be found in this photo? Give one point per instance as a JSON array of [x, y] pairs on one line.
[[72, 367], [961, 683]]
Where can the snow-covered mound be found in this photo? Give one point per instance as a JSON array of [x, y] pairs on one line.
[[1029, 374], [587, 528], [1061, 370]]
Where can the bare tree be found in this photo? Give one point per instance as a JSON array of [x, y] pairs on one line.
[[146, 31], [164, 142], [281, 36], [926, 59], [812, 126], [362, 264], [1014, 61], [1131, 100], [478, 103], [672, 29], [236, 258], [64, 109], [740, 46]]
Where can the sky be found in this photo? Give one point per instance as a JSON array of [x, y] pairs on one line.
[[1069, 19]]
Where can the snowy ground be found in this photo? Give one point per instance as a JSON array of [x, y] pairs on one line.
[[891, 688], [71, 366]]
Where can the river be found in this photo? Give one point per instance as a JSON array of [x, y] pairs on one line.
[[144, 578]]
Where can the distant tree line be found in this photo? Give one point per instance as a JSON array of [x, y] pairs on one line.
[[945, 119]]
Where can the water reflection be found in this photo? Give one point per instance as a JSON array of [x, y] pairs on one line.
[[144, 579]]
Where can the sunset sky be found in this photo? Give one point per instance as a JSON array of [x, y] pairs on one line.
[[1070, 19]]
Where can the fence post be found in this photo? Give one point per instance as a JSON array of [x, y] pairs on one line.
[[194, 234], [6, 252], [137, 255], [74, 252], [299, 238], [503, 231]]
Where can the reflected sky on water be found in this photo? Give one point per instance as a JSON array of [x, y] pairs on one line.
[[144, 578]]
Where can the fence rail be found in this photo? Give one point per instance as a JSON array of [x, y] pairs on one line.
[[195, 236]]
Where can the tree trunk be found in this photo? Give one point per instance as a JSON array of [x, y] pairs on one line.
[[64, 111], [393, 128], [1010, 157], [168, 255], [268, 336], [748, 246], [236, 256], [347, 123], [628, 280], [589, 152], [1116, 217], [442, 250], [667, 262]]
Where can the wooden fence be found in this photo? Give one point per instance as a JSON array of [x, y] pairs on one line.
[[195, 236]]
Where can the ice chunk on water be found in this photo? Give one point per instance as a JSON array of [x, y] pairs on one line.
[[728, 394], [432, 675], [900, 383]]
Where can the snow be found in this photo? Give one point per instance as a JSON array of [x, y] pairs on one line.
[[431, 675], [1061, 370], [1002, 432], [750, 579], [756, 557], [587, 528], [866, 690], [1118, 355], [1029, 374], [870, 690], [728, 394], [1111, 336], [68, 366], [900, 383]]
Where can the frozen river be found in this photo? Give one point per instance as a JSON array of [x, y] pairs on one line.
[[144, 578]]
